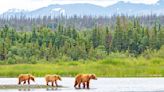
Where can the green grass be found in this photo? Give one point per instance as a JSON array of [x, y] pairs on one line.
[[115, 67]]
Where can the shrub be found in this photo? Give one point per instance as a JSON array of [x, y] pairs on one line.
[[11, 61]]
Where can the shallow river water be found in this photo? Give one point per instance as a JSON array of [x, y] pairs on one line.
[[100, 85]]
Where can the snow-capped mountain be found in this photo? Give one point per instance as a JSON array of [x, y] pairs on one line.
[[89, 9], [137, 9], [48, 11], [15, 13]]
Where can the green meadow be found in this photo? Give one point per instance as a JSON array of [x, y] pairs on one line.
[[109, 67]]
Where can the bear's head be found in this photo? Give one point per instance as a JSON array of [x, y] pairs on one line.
[[93, 76], [32, 78], [59, 78]]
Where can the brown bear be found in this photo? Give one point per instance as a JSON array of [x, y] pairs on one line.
[[85, 79], [52, 79], [25, 77]]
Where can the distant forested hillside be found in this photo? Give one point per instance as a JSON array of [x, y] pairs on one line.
[[79, 22], [78, 38]]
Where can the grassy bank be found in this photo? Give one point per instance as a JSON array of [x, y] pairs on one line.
[[116, 67]]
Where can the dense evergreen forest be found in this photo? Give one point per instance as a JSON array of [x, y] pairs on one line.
[[81, 39]]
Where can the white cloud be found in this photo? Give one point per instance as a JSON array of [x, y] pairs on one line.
[[34, 4]]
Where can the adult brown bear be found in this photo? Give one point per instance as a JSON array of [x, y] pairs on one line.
[[25, 77], [85, 79], [52, 79]]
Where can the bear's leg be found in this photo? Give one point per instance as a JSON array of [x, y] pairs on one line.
[[52, 83], [79, 84], [28, 82], [88, 85], [47, 83], [24, 82], [56, 83], [19, 82], [83, 84], [75, 84]]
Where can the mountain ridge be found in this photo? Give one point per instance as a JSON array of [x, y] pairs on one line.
[[78, 9]]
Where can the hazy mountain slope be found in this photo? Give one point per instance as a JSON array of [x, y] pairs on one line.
[[89, 9]]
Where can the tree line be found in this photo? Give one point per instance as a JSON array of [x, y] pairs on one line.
[[69, 43], [24, 23]]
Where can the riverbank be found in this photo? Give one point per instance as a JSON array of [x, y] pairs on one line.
[[116, 67]]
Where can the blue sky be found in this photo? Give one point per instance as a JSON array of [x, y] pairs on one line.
[[34, 4]]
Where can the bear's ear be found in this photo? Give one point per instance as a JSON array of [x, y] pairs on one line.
[[29, 74], [94, 75]]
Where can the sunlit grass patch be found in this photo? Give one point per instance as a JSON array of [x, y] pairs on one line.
[[109, 67]]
